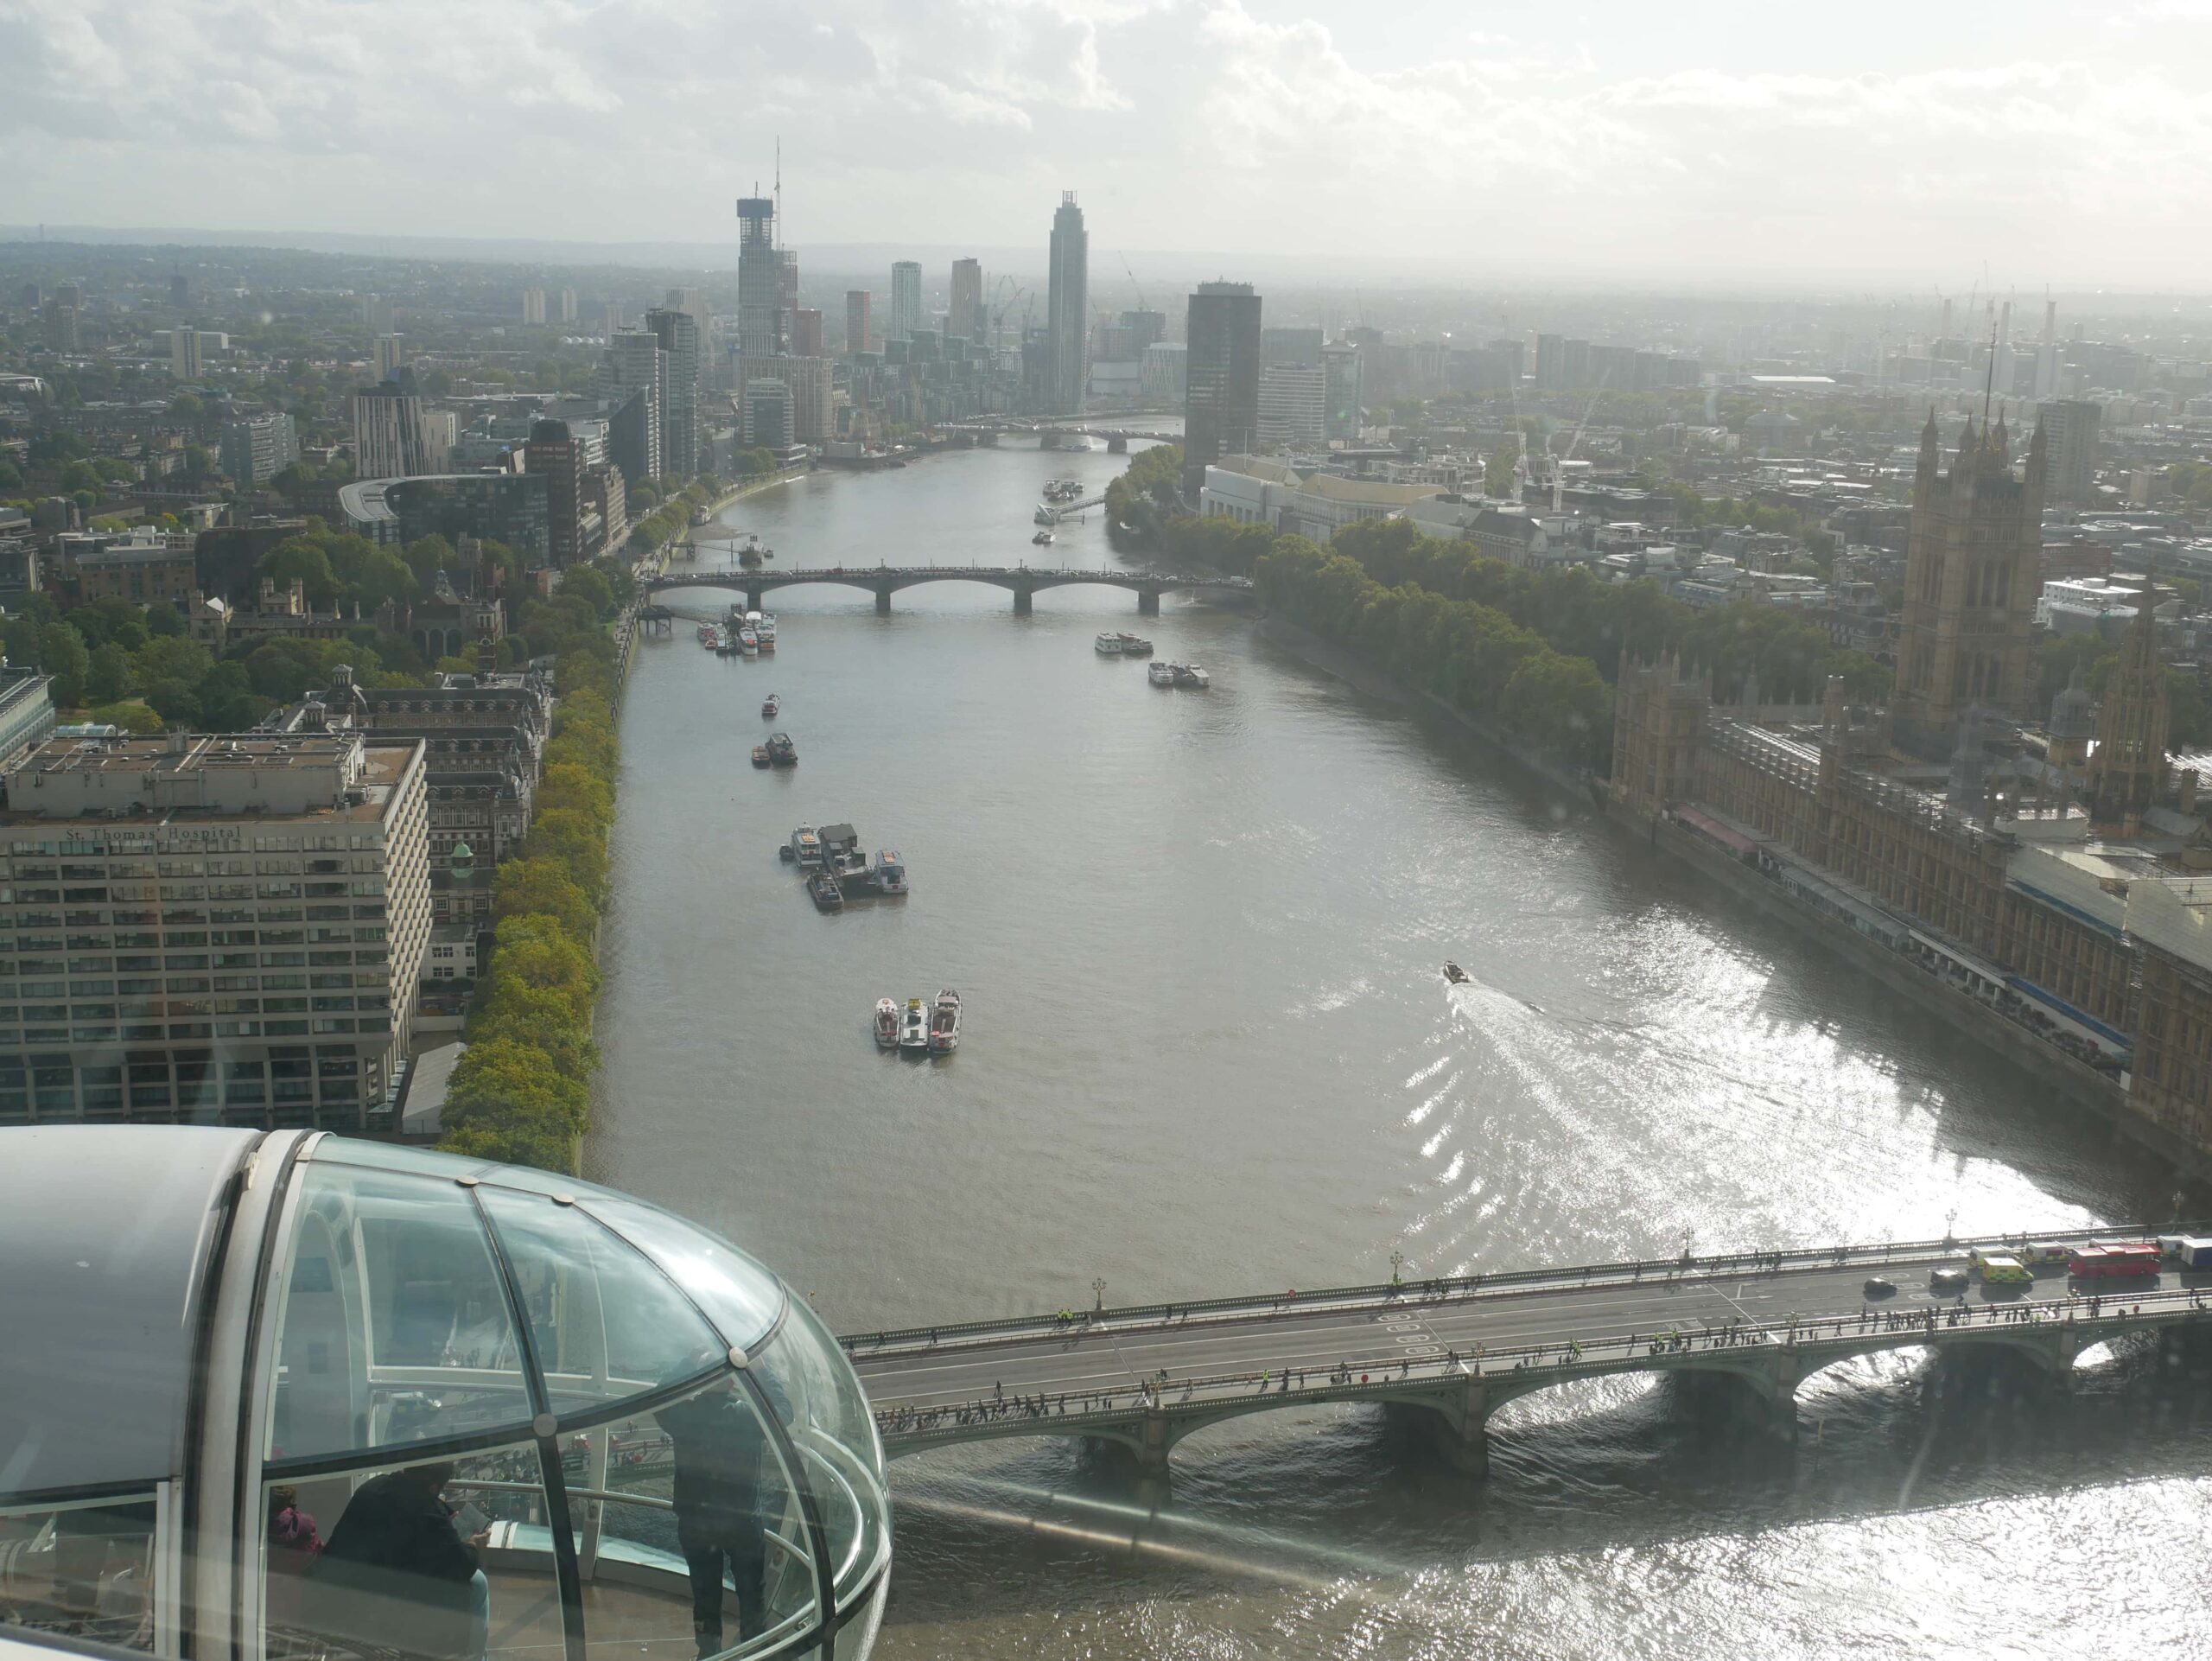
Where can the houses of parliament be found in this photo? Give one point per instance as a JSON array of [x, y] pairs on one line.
[[2051, 865]]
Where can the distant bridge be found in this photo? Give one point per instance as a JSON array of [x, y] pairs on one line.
[[1023, 582], [1450, 1353]]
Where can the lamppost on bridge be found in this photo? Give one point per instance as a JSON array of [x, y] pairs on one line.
[[1098, 1295], [1951, 1226], [1397, 1264]]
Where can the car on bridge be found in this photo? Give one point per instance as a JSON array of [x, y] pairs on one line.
[[1876, 1287], [1946, 1280]]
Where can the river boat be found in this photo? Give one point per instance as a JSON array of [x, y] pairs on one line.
[[1191, 675], [886, 1024], [889, 876], [841, 851], [944, 1023], [1062, 490], [748, 557], [769, 705], [705, 630], [1042, 539], [748, 643], [1045, 516], [764, 628], [1109, 645], [805, 847], [1453, 973], [1160, 672], [761, 760], [1133, 647], [711, 638], [822, 889], [914, 1025], [784, 754]]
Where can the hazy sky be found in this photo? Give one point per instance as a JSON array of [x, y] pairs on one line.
[[2069, 143]]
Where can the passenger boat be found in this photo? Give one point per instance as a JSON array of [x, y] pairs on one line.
[[827, 895], [1453, 973], [889, 876], [761, 760], [886, 1024], [705, 630], [1133, 647], [1110, 645], [711, 638], [1160, 672], [764, 626], [784, 754], [1190, 674], [748, 643], [944, 1023], [1042, 539], [914, 1025], [805, 846], [769, 705]]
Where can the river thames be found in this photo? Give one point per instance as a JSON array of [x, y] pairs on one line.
[[1209, 1048]]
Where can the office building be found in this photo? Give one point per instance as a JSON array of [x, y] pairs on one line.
[[1294, 404], [146, 567], [1343, 412], [678, 332], [964, 313], [59, 317], [533, 305], [2073, 425], [1291, 346], [509, 507], [180, 291], [806, 332], [259, 448], [1160, 373], [807, 382], [567, 305], [1067, 309], [759, 279], [786, 291], [628, 379], [555, 453], [185, 361], [858, 302], [693, 303], [390, 356], [1220, 406], [391, 439], [768, 413], [906, 300], [27, 716], [263, 906]]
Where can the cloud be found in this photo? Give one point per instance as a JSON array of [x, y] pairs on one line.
[[1191, 123]]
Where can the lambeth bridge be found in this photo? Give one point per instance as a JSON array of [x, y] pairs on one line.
[[1024, 581], [1446, 1354]]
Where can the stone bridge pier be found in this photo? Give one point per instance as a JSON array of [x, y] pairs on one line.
[[883, 600], [1025, 600], [1148, 602]]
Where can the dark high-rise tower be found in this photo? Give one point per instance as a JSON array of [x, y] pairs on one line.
[[760, 279], [964, 316], [1067, 309], [1221, 409]]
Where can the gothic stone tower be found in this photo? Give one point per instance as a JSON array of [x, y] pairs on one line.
[[1659, 715], [1971, 576], [2127, 770]]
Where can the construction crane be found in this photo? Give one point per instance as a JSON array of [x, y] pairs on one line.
[[1143, 304], [1559, 468], [998, 317]]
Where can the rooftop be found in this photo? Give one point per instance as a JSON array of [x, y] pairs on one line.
[[302, 776]]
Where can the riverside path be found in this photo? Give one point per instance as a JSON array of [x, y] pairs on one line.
[[1450, 1353]]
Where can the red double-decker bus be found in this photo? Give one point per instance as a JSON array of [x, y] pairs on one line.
[[2113, 1261]]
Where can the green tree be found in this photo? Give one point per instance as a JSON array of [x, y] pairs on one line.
[[578, 841], [298, 558], [110, 674], [590, 586], [542, 887], [61, 653], [228, 703]]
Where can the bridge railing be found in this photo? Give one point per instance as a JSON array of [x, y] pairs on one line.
[[1610, 1353], [1067, 1323], [742, 576]]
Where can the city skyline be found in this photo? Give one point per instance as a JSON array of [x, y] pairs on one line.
[[1698, 149]]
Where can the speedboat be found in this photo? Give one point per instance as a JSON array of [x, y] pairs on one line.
[[914, 1025], [711, 638], [805, 846], [769, 705], [1190, 674], [889, 876], [1160, 672], [1108, 645], [823, 889], [944, 1023], [886, 1024], [1453, 973], [761, 760]]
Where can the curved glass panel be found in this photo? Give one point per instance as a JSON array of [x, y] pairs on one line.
[[813, 1387], [449, 1560], [398, 1156], [86, 1571], [605, 1322], [741, 1297], [393, 1326]]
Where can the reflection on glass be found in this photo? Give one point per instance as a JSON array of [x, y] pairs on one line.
[[394, 1326], [86, 1571], [820, 1402], [606, 1324], [741, 1297]]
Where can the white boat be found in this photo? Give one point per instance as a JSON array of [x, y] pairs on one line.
[[1160, 672], [763, 629], [806, 846], [886, 1024], [1190, 674], [914, 1026], [944, 1023], [749, 642], [1042, 539], [1133, 647], [1110, 645]]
